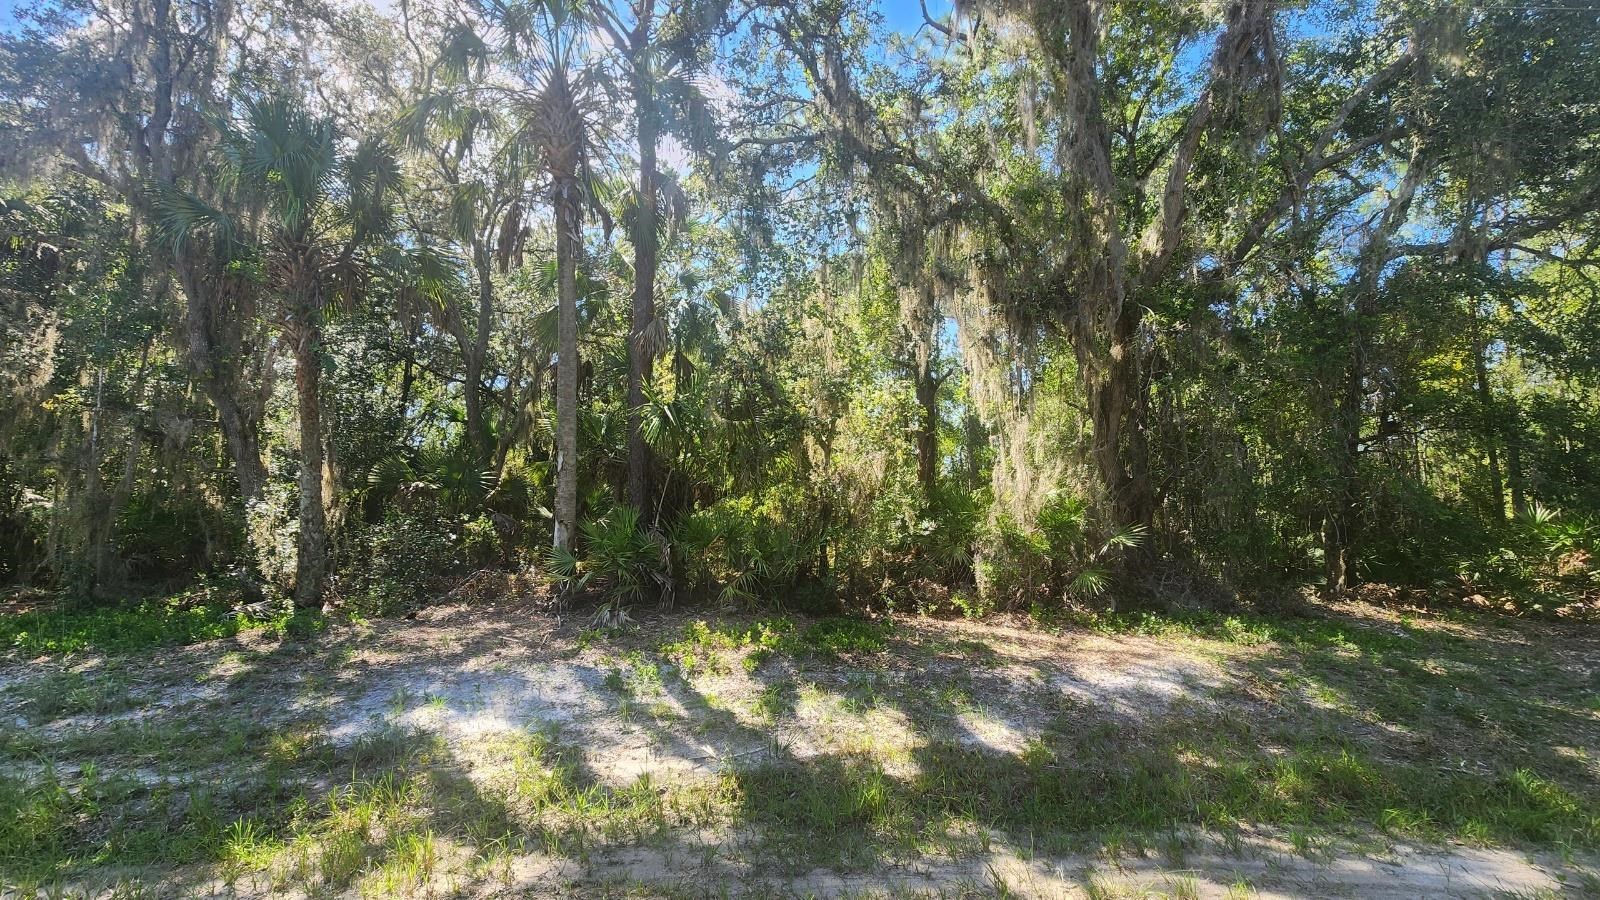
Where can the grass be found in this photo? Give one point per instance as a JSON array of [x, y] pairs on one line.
[[1338, 733], [1078, 791], [70, 693], [705, 648], [161, 622]]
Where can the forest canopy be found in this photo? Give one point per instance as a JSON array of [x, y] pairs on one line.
[[817, 304]]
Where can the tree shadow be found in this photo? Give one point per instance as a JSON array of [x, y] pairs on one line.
[[1333, 729], [1217, 761]]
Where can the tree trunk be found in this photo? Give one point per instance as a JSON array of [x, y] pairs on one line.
[[477, 352], [1118, 448], [242, 441], [239, 432], [311, 564], [976, 439], [1519, 486], [640, 351], [927, 387], [919, 314], [1338, 537], [1340, 543], [1480, 367], [94, 525], [567, 238], [408, 376]]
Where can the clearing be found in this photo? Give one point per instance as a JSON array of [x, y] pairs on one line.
[[501, 751]]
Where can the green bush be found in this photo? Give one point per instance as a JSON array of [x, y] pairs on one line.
[[1060, 558], [1543, 561], [743, 547], [480, 541], [617, 556], [400, 561]]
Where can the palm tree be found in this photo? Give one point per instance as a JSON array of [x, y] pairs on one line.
[[660, 69], [561, 126], [311, 211]]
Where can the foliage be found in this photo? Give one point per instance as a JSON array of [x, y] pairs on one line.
[[1542, 562], [401, 561], [624, 562], [1024, 309], [183, 618], [741, 548], [1054, 561]]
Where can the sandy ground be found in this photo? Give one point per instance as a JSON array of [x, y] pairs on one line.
[[470, 674]]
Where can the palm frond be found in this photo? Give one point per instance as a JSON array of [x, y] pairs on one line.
[[1090, 582], [181, 217]]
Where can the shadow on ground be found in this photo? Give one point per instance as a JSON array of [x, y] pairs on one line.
[[498, 752]]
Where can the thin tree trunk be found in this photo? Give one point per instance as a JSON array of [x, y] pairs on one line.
[[311, 564], [1480, 367], [523, 407], [640, 351], [1514, 474], [407, 377], [927, 388], [94, 524], [920, 318], [1338, 539], [477, 352], [567, 236]]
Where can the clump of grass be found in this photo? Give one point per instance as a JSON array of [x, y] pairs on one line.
[[247, 846], [409, 864], [707, 648], [845, 635], [776, 701], [61, 694], [160, 622]]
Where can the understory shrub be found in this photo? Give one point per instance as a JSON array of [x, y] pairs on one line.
[[399, 561], [1060, 559]]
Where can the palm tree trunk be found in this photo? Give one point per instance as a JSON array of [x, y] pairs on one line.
[[644, 298], [566, 512], [311, 564]]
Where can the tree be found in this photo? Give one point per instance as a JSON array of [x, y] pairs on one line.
[[148, 126], [660, 45], [476, 190], [312, 209], [559, 123]]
